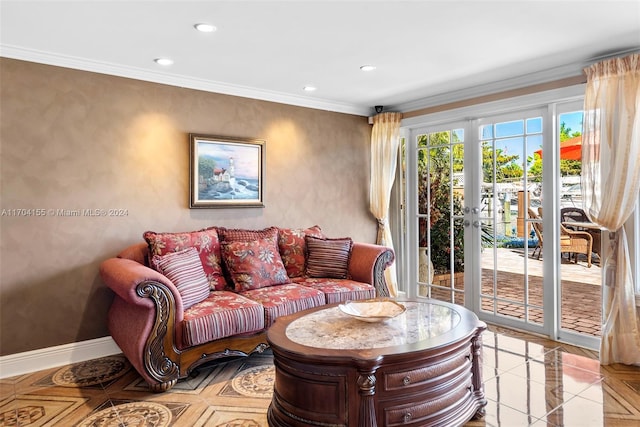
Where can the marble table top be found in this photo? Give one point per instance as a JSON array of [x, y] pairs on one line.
[[332, 329]]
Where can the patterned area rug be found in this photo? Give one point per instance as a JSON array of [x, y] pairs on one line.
[[92, 372], [107, 392], [130, 414], [255, 382], [237, 393]]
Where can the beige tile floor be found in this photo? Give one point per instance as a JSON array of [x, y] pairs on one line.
[[528, 380], [535, 381]]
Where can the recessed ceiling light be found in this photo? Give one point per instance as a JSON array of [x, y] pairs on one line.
[[368, 67], [163, 61], [205, 28], [309, 88]]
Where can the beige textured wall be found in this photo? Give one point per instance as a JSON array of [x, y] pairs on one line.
[[77, 140]]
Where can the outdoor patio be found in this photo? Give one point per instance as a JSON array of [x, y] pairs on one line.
[[580, 289]]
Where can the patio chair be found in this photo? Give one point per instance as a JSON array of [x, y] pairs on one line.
[[537, 228], [572, 242], [569, 214], [573, 214]]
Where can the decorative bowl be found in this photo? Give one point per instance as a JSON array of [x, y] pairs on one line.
[[372, 310]]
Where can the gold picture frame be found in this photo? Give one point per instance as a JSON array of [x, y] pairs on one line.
[[226, 172]]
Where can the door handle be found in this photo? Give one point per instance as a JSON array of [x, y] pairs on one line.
[[474, 210]]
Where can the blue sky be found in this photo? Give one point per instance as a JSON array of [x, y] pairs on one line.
[[511, 134], [572, 120]]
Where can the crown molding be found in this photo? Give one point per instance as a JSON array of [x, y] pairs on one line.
[[545, 76], [474, 111], [573, 69], [83, 64], [491, 88]]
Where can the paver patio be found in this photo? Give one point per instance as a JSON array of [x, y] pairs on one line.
[[580, 290]]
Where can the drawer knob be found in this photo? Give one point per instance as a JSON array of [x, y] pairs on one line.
[[407, 417], [406, 380]]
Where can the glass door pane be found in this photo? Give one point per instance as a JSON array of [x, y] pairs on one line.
[[440, 194], [511, 286], [580, 240]]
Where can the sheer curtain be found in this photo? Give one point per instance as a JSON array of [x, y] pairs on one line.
[[610, 185], [385, 139]]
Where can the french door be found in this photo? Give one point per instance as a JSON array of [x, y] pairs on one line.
[[510, 281], [483, 215]]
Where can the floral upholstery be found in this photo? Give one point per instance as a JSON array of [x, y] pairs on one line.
[[222, 314], [254, 264], [293, 248], [285, 299], [205, 241], [165, 342], [339, 290]]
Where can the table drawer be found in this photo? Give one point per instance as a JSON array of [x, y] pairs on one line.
[[427, 374], [424, 411]]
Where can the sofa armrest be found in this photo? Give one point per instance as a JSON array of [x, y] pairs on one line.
[[368, 263], [123, 276], [143, 319]]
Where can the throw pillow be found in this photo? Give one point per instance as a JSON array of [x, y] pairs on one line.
[[293, 248], [184, 269], [206, 242], [243, 235], [328, 257], [255, 264]]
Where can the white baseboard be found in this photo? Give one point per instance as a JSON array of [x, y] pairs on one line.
[[51, 357]]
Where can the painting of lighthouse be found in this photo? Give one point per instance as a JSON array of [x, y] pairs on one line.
[[226, 172]]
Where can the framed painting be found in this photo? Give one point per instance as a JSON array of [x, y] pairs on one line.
[[226, 172]]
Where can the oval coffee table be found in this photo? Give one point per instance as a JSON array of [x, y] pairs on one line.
[[421, 368]]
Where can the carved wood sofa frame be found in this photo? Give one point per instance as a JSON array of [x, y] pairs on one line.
[[146, 291]]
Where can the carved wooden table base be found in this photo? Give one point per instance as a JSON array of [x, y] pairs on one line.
[[421, 368]]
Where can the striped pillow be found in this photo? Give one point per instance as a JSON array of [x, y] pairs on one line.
[[207, 243], [328, 258], [184, 269], [244, 235]]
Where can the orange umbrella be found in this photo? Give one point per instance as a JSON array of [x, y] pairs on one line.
[[570, 149]]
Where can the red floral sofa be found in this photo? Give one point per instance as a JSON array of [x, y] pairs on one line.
[[184, 299]]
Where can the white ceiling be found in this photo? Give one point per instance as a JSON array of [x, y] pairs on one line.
[[424, 51]]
